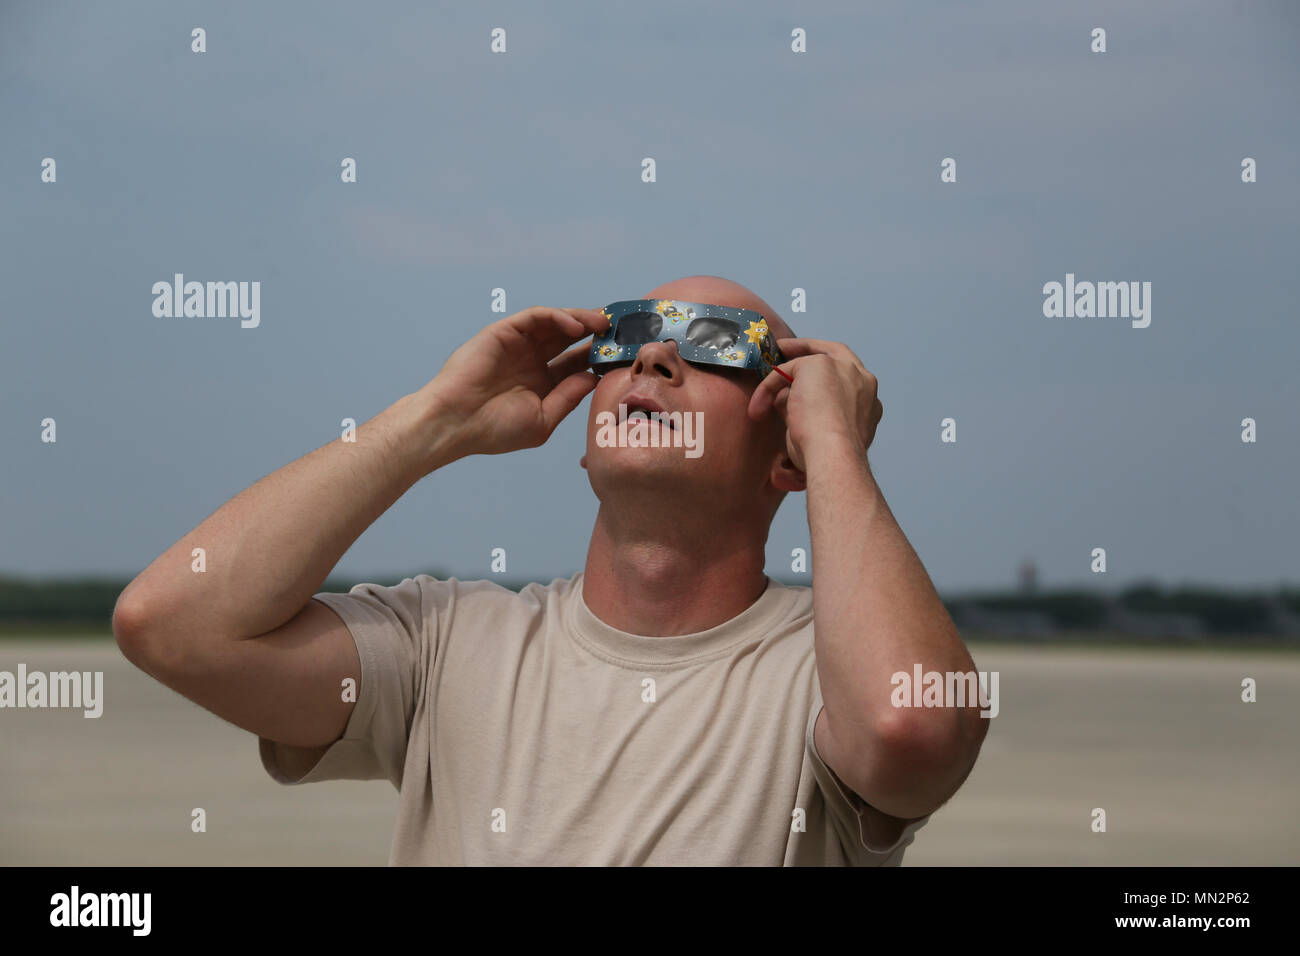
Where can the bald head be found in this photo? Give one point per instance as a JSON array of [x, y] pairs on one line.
[[715, 290]]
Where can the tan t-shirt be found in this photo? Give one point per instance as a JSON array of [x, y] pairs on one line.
[[520, 729]]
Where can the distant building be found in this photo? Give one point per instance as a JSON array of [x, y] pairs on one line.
[[1028, 577]]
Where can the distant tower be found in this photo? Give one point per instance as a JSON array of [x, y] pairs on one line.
[[1028, 577]]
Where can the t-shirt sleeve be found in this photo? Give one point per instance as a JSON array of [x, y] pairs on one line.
[[862, 841], [395, 630]]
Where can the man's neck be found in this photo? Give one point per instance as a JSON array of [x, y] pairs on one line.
[[661, 576]]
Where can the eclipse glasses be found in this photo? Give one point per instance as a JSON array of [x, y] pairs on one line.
[[704, 334]]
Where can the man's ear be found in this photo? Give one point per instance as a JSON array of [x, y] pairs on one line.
[[786, 477], [583, 462]]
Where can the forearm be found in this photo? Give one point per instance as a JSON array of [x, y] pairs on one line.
[[269, 549], [876, 613]]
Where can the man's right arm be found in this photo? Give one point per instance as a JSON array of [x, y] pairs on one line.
[[243, 638]]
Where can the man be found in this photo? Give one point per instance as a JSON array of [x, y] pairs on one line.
[[668, 705]]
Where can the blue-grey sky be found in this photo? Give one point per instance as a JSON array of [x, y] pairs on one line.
[[778, 170]]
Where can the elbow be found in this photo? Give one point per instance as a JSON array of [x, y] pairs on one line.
[[918, 759], [935, 736], [132, 626]]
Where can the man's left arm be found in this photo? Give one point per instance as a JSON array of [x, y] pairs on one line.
[[875, 614], [875, 611]]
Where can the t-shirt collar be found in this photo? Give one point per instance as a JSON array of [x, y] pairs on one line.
[[622, 647]]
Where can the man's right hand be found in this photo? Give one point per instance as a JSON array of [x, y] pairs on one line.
[[506, 388]]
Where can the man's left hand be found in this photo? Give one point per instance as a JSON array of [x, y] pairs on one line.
[[833, 397]]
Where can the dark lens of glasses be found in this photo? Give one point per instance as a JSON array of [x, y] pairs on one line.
[[637, 328], [713, 333]]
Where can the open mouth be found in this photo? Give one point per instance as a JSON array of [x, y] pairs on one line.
[[636, 412]]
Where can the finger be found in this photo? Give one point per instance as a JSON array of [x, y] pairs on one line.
[[792, 348], [548, 330], [780, 402], [564, 398], [795, 347], [593, 319], [545, 324], [767, 390], [574, 360]]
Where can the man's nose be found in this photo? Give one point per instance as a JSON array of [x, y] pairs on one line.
[[658, 358]]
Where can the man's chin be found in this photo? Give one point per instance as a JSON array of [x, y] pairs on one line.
[[640, 465]]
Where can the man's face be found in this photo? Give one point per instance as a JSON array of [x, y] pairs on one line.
[[734, 452]]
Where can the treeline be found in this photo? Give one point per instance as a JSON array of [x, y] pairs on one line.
[[1143, 609], [1140, 609], [89, 601]]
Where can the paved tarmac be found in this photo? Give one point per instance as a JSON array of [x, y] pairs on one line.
[[1186, 772]]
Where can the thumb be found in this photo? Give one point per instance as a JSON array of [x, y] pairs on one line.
[[565, 396], [779, 404]]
